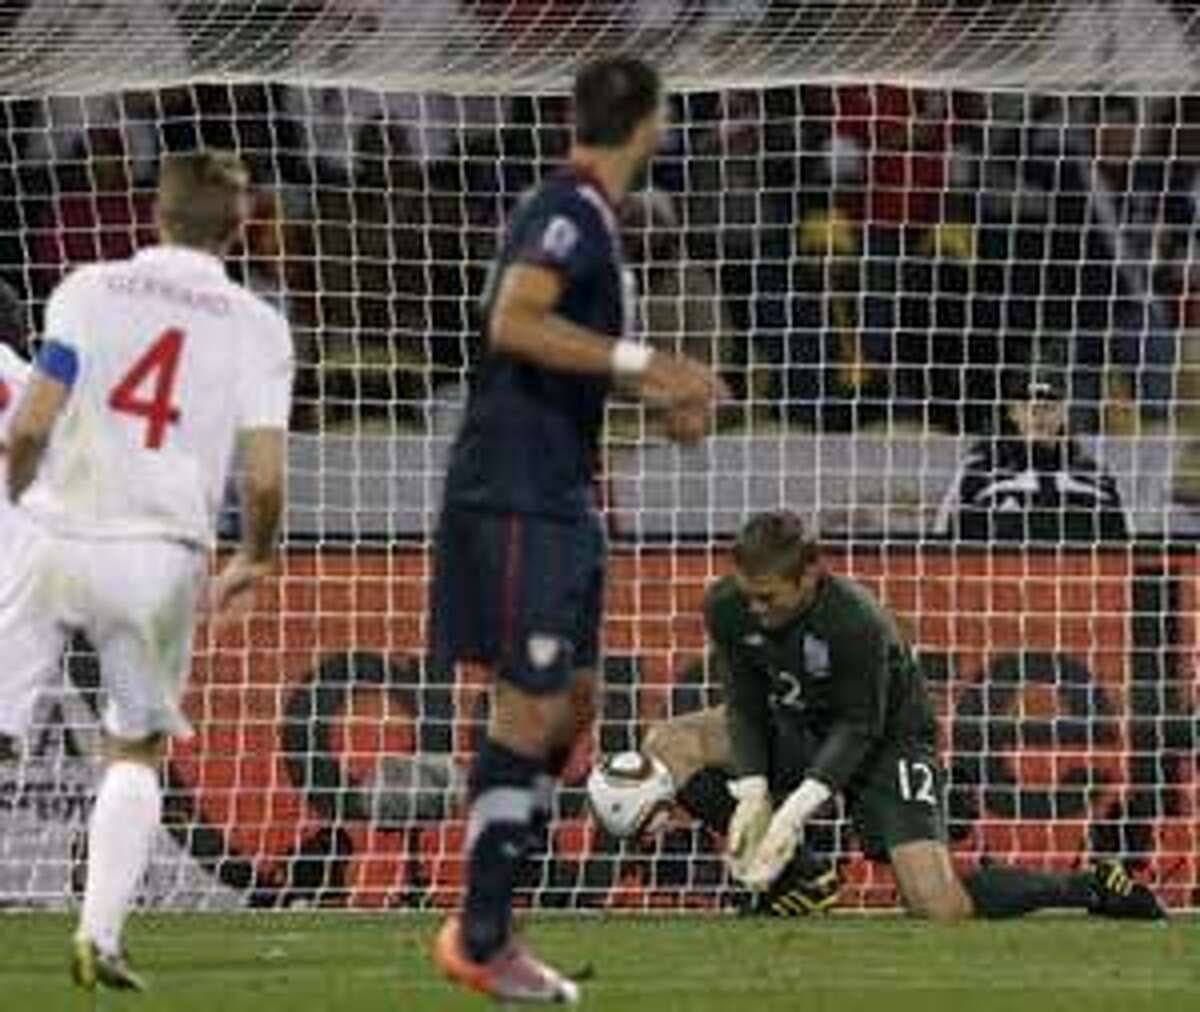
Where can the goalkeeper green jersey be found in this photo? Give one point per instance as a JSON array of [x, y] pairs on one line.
[[841, 671]]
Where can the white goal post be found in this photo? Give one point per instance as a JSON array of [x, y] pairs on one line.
[[881, 221]]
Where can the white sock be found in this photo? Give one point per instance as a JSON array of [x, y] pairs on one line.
[[543, 793], [126, 814]]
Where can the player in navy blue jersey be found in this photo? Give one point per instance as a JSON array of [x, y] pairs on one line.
[[519, 558]]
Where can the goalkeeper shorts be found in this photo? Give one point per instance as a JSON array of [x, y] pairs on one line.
[[900, 799]]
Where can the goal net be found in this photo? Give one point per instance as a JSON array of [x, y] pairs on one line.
[[887, 224]]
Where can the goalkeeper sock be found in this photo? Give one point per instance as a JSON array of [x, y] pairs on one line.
[[1006, 891], [124, 819], [706, 796], [497, 837]]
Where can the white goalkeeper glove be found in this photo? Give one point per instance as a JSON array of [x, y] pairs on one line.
[[784, 834], [749, 823]]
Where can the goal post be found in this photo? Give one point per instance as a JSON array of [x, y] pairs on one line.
[[882, 222]]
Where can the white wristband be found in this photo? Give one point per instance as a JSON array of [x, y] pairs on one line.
[[629, 358]]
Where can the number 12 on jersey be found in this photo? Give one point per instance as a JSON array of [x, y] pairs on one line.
[[158, 365], [916, 781]]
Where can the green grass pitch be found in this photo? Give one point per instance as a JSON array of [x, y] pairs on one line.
[[328, 962]]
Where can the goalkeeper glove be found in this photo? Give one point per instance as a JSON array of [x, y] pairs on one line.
[[750, 821], [783, 835]]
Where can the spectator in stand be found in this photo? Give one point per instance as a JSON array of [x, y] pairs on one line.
[[682, 312], [1102, 221], [735, 164], [15, 329], [106, 219], [1033, 483], [435, 126], [145, 33], [889, 229], [62, 127], [1186, 172], [1141, 222], [265, 266], [894, 155], [277, 267]]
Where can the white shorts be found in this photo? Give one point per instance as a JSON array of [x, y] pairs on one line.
[[136, 603]]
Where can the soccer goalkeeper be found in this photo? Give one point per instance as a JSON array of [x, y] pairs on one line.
[[687, 761], [804, 647]]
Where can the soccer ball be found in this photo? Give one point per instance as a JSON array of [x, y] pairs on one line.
[[631, 794]]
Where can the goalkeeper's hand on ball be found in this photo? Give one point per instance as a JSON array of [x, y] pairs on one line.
[[773, 853], [783, 836], [749, 823]]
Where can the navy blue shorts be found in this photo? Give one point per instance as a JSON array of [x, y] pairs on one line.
[[522, 594]]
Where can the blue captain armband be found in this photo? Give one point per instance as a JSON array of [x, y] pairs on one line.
[[60, 362]]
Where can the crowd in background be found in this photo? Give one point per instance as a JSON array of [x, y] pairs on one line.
[[849, 255]]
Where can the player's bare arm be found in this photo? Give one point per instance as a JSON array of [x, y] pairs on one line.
[[524, 324], [31, 428], [264, 453]]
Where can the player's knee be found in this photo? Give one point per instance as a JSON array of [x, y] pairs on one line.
[[148, 751], [671, 745], [927, 882], [939, 909], [936, 902], [657, 739], [531, 723], [584, 704]]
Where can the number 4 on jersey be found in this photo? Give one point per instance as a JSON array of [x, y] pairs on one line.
[[158, 365]]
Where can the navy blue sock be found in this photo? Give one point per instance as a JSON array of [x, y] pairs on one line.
[[543, 792], [543, 808], [497, 837]]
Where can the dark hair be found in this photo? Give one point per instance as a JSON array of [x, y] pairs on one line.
[[774, 543], [200, 194], [14, 322], [612, 96]]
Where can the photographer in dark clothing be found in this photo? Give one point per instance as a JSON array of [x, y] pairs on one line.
[[1033, 482]]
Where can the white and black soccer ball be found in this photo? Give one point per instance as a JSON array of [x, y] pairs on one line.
[[631, 794]]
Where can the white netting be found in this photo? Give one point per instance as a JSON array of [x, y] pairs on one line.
[[534, 45], [865, 214]]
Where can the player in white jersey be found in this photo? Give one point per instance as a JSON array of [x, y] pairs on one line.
[[151, 369], [16, 531]]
